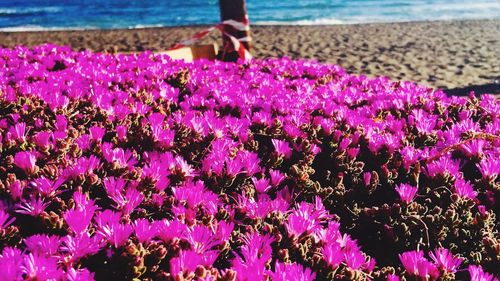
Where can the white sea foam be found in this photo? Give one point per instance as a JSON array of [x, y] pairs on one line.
[[145, 26], [321, 21], [29, 10], [29, 27]]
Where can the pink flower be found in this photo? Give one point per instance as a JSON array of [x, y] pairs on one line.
[[114, 186], [444, 166], [282, 148], [184, 168], [80, 246], [474, 148], [410, 156], [158, 174], [333, 255], [353, 152], [33, 207], [97, 133], [61, 123], [410, 261], [40, 268], [109, 227], [444, 260], [42, 244], [424, 122], [406, 192], [16, 189], [415, 264], [78, 220], [10, 264], [256, 252], [201, 238], [187, 261], [276, 177], [464, 189], [125, 201], [354, 258], [46, 187], [306, 218], [489, 168], [25, 160], [367, 176], [42, 139], [164, 137], [5, 220], [224, 230], [168, 230], [233, 166], [144, 230], [121, 132], [18, 132], [196, 195], [393, 277], [84, 142], [261, 185], [290, 272], [156, 120], [344, 143], [477, 274], [256, 249], [250, 162], [79, 275]]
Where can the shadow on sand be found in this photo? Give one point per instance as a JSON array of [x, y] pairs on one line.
[[493, 88]]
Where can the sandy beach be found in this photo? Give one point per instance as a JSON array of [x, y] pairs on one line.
[[454, 55]]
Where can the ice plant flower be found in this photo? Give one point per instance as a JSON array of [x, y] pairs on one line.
[[144, 230], [46, 187], [18, 131], [444, 259], [474, 148], [489, 168], [11, 260], [276, 177], [25, 160], [282, 148], [291, 272], [333, 255], [43, 244], [307, 219], [410, 261], [477, 274], [188, 261], [424, 122], [393, 277], [112, 230], [261, 185], [464, 189], [416, 264], [33, 207], [79, 275], [96, 133], [76, 247], [37, 267], [43, 139], [5, 219], [78, 220], [406, 192]]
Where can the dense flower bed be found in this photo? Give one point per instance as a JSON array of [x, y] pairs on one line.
[[117, 167]]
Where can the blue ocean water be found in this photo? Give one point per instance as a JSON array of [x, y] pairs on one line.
[[17, 15]]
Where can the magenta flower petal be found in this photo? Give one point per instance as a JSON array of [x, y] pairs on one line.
[[406, 192]]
